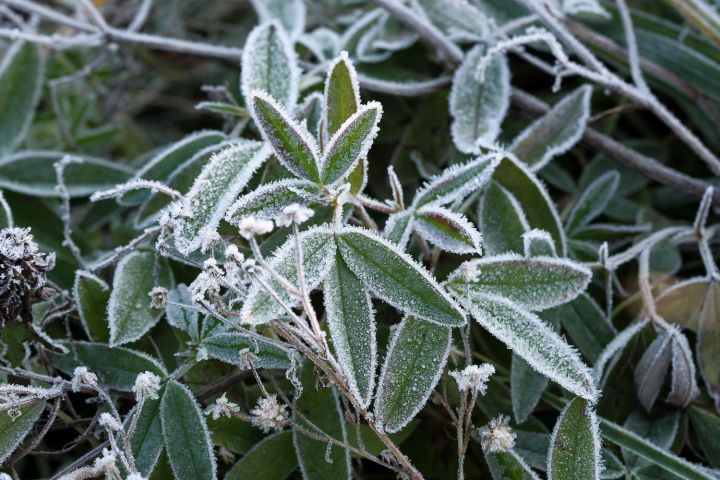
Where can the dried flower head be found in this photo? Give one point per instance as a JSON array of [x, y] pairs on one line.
[[473, 377], [158, 297], [497, 436], [146, 386], [294, 213], [269, 414], [107, 464], [209, 239], [251, 226], [23, 273], [222, 408], [108, 421], [82, 376], [203, 284], [232, 254]]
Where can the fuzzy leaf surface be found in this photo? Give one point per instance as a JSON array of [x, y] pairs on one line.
[[12, 432], [273, 458], [92, 295], [502, 221], [575, 444], [228, 347], [448, 230]]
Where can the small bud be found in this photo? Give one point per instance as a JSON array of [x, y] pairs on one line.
[[82, 376], [294, 213], [222, 408], [158, 297], [269, 415], [146, 386], [497, 436], [110, 422]]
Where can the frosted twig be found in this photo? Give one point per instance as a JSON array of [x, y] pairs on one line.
[[645, 287], [55, 41], [702, 235], [93, 12], [65, 198], [6, 208], [633, 57], [304, 294], [404, 89], [138, 184]]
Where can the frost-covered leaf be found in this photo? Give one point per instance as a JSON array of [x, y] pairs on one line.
[[585, 8], [350, 143], [219, 183], [14, 430], [116, 368], [533, 340], [273, 458], [533, 198], [342, 93], [290, 13], [179, 316], [538, 243], [415, 360], [502, 221], [652, 369], [351, 320], [478, 108], [386, 36], [396, 278], [269, 200], [535, 283], [398, 227], [92, 295], [229, 346], [706, 426], [508, 466], [456, 182], [130, 314], [586, 325], [146, 440], [318, 254], [459, 19], [683, 384], [33, 173], [660, 430], [323, 42], [575, 444], [592, 202], [322, 408], [311, 113], [527, 385], [22, 73], [608, 356], [555, 132], [448, 230], [187, 440], [168, 159], [293, 145], [269, 64]]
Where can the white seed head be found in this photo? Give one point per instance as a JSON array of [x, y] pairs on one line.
[[158, 297], [294, 213], [17, 243], [222, 408], [269, 415], [251, 226], [473, 377], [497, 436], [82, 376], [108, 421], [146, 386], [202, 285], [232, 254]]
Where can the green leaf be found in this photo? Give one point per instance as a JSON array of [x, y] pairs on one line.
[[535, 283], [92, 295], [586, 325], [269, 64], [12, 432], [478, 108], [592, 202], [398, 227], [706, 426], [293, 145], [146, 441], [219, 183], [538, 243], [660, 430], [415, 360], [290, 13], [187, 440], [527, 385], [116, 368], [458, 19], [350, 143], [268, 201], [322, 408], [456, 182], [533, 340], [273, 458], [22, 73], [351, 321], [448, 230], [396, 278], [508, 466], [233, 433], [229, 346], [652, 369], [502, 221], [575, 444], [555, 132], [184, 318], [342, 93]]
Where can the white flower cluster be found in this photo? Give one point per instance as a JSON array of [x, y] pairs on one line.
[[269, 414], [222, 408], [473, 377], [497, 436], [294, 213], [109, 422], [251, 226], [82, 376], [146, 386]]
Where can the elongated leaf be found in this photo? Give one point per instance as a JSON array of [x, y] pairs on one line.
[[660, 430], [229, 346], [530, 338], [273, 458], [147, 441], [527, 385], [609, 355], [351, 321], [184, 318], [555, 132], [293, 145], [707, 428], [187, 440], [318, 254], [538, 243], [396, 278], [322, 408], [268, 201], [238, 436], [415, 360], [218, 185], [708, 341], [508, 466], [398, 227], [478, 108], [22, 74], [456, 182], [269, 64], [652, 369], [684, 387], [593, 201], [575, 444], [92, 295], [586, 325], [33, 173], [290, 13], [351, 143], [534, 200], [13, 431], [116, 368], [456, 18], [448, 230], [342, 93], [535, 283], [502, 221]]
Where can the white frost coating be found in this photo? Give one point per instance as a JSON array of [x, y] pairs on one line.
[[388, 35], [457, 181], [269, 63], [703, 210], [294, 214], [318, 251], [535, 342], [310, 112], [593, 201], [478, 108], [181, 317], [137, 184], [595, 432], [616, 345], [584, 7], [497, 436], [398, 196], [684, 387], [489, 217], [398, 228], [269, 200], [79, 275], [349, 38], [460, 20], [291, 13], [322, 42], [344, 136], [537, 236], [555, 132], [454, 234], [473, 377], [219, 183], [147, 386]]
